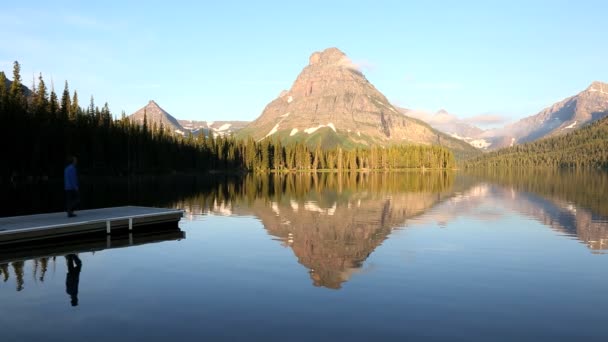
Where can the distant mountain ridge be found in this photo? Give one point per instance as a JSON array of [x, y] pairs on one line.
[[156, 115], [562, 117], [565, 116], [582, 148], [213, 128], [331, 103], [451, 125]]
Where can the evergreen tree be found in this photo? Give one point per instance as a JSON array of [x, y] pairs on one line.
[[66, 103], [91, 109], [17, 98], [3, 94], [53, 103], [41, 101], [75, 109]]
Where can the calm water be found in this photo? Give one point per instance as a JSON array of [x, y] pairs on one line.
[[333, 257]]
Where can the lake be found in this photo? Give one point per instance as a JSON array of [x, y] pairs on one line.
[[381, 256]]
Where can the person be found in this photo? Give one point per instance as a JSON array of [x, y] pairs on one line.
[[73, 277], [70, 180]]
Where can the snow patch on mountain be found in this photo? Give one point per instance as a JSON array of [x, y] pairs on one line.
[[480, 143], [224, 127], [272, 131]]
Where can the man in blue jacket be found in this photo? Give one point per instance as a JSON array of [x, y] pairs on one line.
[[70, 181]]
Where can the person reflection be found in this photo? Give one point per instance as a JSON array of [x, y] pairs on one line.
[[73, 277]]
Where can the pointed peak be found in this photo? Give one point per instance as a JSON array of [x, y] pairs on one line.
[[152, 103], [597, 86], [330, 55], [442, 112]]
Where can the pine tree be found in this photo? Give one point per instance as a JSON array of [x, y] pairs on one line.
[[3, 94], [41, 102], [66, 103], [145, 125], [16, 96], [75, 108], [53, 102], [91, 109]]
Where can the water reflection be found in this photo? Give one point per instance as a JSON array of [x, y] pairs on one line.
[[571, 203], [72, 278], [40, 254], [333, 222]]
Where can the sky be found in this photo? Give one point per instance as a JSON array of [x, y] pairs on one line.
[[489, 61]]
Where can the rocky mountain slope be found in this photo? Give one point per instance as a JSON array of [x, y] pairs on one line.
[[562, 117], [582, 148], [155, 114], [565, 116], [451, 125], [332, 103]]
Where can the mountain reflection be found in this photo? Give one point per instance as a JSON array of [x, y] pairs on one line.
[[333, 222], [571, 203]]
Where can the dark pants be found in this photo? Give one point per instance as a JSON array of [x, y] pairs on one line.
[[72, 199]]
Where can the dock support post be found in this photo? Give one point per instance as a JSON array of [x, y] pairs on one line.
[[130, 223], [130, 239], [108, 227]]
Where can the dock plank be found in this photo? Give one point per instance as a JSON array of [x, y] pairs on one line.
[[42, 225]]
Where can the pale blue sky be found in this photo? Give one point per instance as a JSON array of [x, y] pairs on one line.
[[221, 60]]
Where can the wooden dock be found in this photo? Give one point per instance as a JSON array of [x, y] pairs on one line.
[[108, 220]]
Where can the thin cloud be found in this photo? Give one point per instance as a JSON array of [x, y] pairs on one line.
[[360, 65], [487, 119]]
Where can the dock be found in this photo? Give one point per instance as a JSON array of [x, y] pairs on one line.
[[108, 221]]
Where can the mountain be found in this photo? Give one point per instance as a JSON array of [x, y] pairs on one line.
[[562, 117], [451, 125], [26, 91], [332, 103], [215, 128], [581, 148], [565, 116], [155, 114]]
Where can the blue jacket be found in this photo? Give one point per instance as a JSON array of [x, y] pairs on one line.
[[70, 180]]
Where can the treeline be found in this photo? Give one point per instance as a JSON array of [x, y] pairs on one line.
[[272, 155], [41, 129], [583, 148]]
